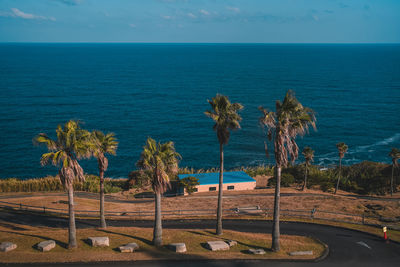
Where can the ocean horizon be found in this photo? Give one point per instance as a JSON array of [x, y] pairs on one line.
[[140, 90]]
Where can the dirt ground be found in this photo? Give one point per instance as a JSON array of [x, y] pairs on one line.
[[291, 198]]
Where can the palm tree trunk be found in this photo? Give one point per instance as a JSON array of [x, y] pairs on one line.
[[275, 224], [391, 181], [338, 180], [102, 216], [157, 232], [72, 228], [220, 189], [305, 178]]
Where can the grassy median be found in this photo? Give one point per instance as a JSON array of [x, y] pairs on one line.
[[27, 237]]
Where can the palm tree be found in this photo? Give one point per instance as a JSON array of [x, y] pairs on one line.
[[159, 162], [289, 120], [71, 145], [342, 148], [395, 155], [226, 117], [100, 145], [308, 154]]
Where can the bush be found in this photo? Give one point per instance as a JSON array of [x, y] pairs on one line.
[[286, 180], [189, 183]]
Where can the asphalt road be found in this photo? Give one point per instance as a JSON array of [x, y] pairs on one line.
[[346, 247]]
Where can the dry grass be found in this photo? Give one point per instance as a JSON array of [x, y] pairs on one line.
[[27, 237]]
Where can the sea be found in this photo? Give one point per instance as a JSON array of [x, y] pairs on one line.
[[161, 90]]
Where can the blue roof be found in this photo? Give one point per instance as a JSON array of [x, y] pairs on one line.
[[213, 177]]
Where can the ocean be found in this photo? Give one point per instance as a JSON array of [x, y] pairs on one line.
[[161, 91]]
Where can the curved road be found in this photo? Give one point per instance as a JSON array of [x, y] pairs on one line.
[[347, 247]]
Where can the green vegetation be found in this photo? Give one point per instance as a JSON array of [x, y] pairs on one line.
[[189, 184], [290, 120], [395, 155], [308, 154], [342, 148], [226, 118]]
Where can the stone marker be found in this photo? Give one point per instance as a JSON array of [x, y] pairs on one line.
[[231, 243], [101, 241], [7, 246], [301, 253], [46, 245], [259, 251], [177, 247], [129, 248], [217, 245]]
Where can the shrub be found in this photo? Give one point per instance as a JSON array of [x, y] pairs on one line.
[[286, 180], [189, 183]]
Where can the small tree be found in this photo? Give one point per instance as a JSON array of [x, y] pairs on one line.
[[395, 155], [342, 148], [189, 183], [308, 154]]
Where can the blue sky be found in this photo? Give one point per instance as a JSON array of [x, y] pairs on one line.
[[248, 21]]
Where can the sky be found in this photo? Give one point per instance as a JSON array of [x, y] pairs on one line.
[[201, 21]]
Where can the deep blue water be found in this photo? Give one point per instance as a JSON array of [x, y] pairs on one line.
[[161, 90]]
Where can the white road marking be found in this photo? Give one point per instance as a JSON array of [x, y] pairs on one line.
[[364, 244]]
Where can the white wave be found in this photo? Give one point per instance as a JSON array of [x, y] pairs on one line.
[[383, 142]]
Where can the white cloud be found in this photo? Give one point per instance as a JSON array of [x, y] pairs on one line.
[[234, 9], [191, 15], [166, 17], [70, 2], [204, 12], [132, 25], [18, 13], [315, 17]]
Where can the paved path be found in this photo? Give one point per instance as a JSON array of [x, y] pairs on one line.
[[347, 247]]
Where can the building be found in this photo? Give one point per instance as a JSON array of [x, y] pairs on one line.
[[232, 181]]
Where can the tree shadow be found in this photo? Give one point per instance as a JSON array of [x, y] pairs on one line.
[[12, 227], [126, 235], [58, 242]]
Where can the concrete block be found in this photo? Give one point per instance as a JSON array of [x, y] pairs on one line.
[[300, 253], [259, 251], [101, 241], [7, 246], [217, 245], [129, 248], [177, 247], [46, 245]]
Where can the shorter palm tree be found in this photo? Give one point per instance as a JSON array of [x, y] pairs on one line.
[[395, 155], [308, 154], [226, 118], [71, 145], [100, 145], [159, 162], [342, 148]]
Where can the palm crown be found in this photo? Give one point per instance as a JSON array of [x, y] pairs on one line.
[[395, 155], [342, 147], [308, 154], [290, 119], [160, 161], [72, 144], [225, 115], [102, 144]]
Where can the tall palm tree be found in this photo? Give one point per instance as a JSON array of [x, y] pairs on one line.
[[71, 145], [288, 121], [395, 155], [159, 162], [342, 148], [100, 145], [308, 154], [226, 118]]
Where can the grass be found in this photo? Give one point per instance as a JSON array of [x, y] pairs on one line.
[[27, 237]]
